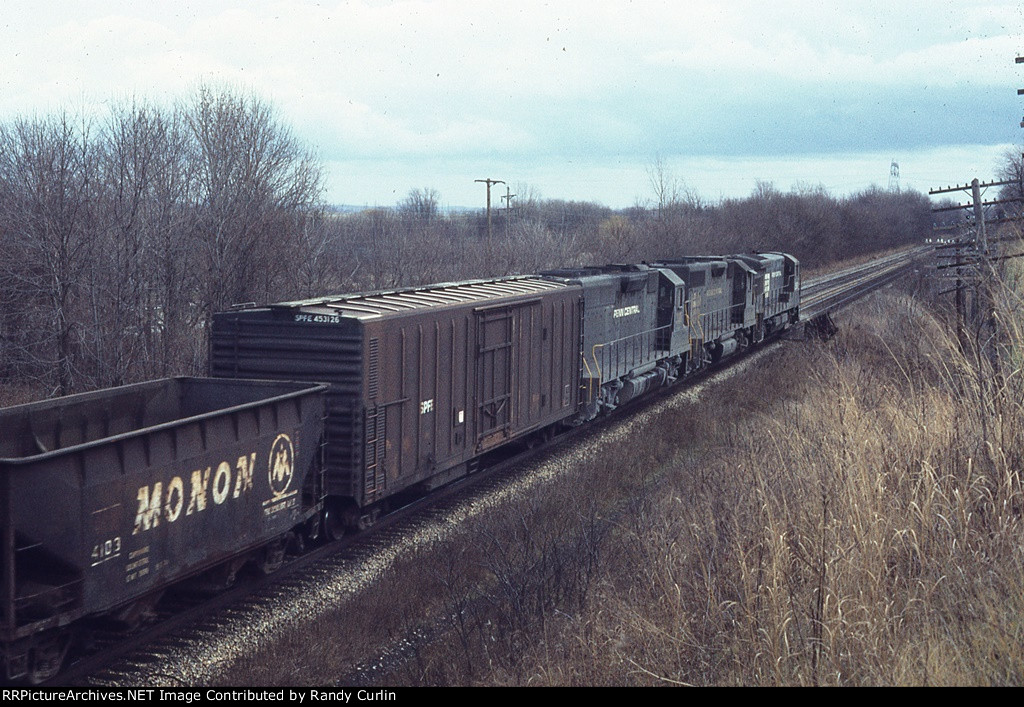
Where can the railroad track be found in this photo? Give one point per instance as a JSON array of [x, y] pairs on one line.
[[826, 293], [221, 629]]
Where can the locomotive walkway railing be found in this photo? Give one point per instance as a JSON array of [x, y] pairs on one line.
[[613, 359]]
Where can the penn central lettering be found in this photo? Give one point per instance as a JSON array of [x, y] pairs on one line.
[[625, 311], [171, 500]]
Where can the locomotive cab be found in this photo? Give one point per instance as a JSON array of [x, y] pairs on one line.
[[790, 277], [673, 335]]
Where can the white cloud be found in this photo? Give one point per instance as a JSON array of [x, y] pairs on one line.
[[831, 56], [454, 79]]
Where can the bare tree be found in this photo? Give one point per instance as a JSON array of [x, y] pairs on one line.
[[255, 186], [1011, 169], [141, 277], [678, 221], [421, 206], [534, 247], [384, 245], [619, 240], [117, 243], [666, 186], [47, 177], [317, 271]]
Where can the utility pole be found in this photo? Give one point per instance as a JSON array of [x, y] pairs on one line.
[[973, 252], [508, 209], [489, 183], [979, 217], [1020, 92], [969, 251]]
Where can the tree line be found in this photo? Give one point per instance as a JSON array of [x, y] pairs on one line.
[[121, 236], [414, 243]]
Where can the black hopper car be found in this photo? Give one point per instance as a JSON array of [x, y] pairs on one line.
[[319, 414]]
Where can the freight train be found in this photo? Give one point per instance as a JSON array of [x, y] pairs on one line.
[[320, 414]]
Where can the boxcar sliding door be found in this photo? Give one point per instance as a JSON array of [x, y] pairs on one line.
[[495, 328]]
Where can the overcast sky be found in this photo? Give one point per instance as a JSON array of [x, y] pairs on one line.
[[575, 99]]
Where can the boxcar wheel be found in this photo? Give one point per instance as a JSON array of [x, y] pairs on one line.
[[333, 522], [367, 520]]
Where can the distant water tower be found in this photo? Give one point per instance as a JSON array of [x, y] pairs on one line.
[[894, 177]]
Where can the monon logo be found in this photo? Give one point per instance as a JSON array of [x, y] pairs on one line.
[[180, 497], [282, 464]]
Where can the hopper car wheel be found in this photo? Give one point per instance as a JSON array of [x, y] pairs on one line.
[[224, 576], [295, 543], [310, 532], [47, 658], [272, 556], [138, 612]]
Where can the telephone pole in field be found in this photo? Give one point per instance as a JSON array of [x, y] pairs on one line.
[[489, 183], [508, 209]]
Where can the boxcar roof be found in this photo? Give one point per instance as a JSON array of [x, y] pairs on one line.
[[370, 305]]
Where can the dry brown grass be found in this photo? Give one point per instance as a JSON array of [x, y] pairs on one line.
[[867, 530]]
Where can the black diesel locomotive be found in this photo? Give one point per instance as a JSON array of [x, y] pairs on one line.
[[341, 406]]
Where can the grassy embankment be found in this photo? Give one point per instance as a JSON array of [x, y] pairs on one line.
[[865, 527]]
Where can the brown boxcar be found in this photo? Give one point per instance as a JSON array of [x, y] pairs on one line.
[[423, 381], [109, 496]]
